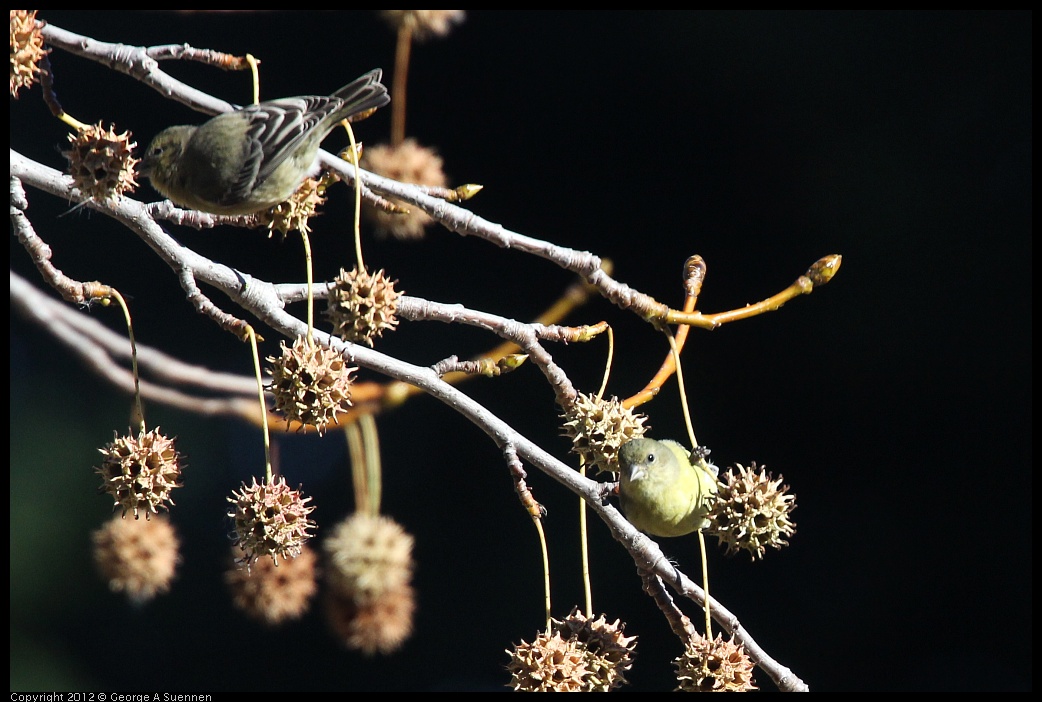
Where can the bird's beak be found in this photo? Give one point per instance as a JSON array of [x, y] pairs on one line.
[[637, 472]]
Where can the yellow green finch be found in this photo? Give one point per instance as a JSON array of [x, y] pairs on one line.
[[253, 158], [661, 492]]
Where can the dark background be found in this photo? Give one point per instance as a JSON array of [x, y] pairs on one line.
[[895, 401]]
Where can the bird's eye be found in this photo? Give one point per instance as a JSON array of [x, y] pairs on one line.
[[651, 458]]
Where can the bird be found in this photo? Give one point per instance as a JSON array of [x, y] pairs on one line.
[[660, 491], [255, 157]]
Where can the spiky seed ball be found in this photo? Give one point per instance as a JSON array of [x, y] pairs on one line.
[[599, 427], [101, 162], [294, 213], [378, 625], [752, 512], [361, 305], [609, 654], [407, 162], [551, 663], [424, 23], [271, 519], [714, 666], [367, 556], [140, 472], [26, 50], [137, 557], [311, 384], [273, 594]]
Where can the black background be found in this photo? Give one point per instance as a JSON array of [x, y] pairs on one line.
[[895, 401]]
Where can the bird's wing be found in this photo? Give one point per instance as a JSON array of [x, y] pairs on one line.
[[280, 126], [277, 129]]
